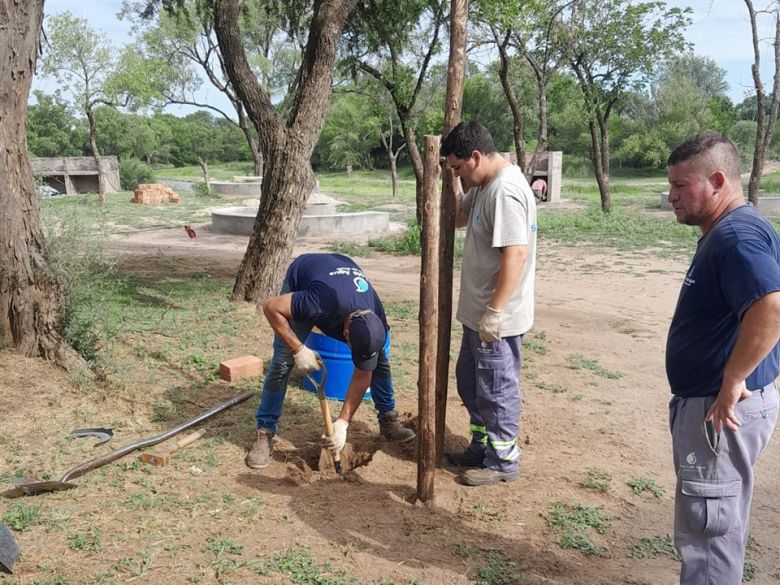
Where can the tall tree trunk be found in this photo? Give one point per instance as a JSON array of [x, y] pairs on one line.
[[765, 124], [287, 145], [96, 154], [31, 313], [599, 141], [204, 167], [246, 127], [453, 105], [417, 167], [394, 173], [288, 181], [511, 98]]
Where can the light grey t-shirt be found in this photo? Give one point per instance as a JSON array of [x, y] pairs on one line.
[[502, 213]]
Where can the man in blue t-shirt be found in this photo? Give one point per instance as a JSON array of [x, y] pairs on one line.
[[330, 292], [722, 359]]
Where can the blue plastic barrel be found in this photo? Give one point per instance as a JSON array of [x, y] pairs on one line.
[[337, 358]]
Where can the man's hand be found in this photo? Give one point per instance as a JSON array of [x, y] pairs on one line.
[[307, 360], [490, 325], [336, 441], [722, 410]]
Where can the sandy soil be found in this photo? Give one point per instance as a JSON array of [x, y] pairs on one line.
[[607, 306]]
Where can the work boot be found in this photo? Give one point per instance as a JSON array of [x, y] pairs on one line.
[[488, 476], [467, 458], [391, 430], [260, 454]]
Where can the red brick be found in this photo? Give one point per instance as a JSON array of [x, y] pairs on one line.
[[240, 367]]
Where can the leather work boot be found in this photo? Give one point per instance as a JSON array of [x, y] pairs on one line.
[[488, 476], [260, 454], [467, 458], [391, 430]]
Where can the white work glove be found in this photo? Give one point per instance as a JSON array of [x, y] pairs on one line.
[[336, 441], [307, 360], [490, 325]]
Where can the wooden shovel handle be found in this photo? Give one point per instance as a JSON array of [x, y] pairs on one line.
[[184, 441], [325, 409]]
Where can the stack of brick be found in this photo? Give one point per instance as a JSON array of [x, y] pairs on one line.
[[154, 194]]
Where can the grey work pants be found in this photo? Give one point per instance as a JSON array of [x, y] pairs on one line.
[[715, 484]]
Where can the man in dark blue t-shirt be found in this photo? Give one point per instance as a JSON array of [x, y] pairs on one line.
[[330, 292], [722, 358]]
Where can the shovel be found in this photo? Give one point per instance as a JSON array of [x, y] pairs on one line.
[[9, 549], [325, 412], [28, 487]]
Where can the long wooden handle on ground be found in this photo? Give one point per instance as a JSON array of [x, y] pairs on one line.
[[162, 456]]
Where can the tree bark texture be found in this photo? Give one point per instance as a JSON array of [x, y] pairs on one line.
[[204, 167], [417, 166], [287, 144], [30, 310], [765, 123], [96, 154], [429, 285], [453, 103], [511, 98]]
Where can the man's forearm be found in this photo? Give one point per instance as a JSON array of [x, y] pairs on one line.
[[513, 260], [278, 312], [759, 332], [355, 392]]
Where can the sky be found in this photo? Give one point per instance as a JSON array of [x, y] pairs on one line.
[[720, 30]]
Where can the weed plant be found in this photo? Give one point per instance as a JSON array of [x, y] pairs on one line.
[[574, 524], [640, 485], [651, 547], [597, 480], [579, 362]]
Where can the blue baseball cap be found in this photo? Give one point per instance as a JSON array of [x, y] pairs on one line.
[[367, 336]]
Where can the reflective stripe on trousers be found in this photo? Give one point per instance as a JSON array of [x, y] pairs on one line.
[[488, 377]]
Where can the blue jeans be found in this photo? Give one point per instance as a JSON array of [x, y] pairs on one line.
[[275, 384]]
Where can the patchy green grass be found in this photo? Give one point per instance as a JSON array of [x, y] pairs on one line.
[[579, 362], [120, 215], [651, 547], [597, 480], [641, 484], [554, 388], [574, 523], [22, 516], [495, 566]]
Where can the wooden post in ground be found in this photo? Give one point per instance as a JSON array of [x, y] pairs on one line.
[[429, 298], [456, 71]]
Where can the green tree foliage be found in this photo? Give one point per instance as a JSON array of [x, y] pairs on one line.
[[615, 47], [51, 127], [351, 132], [483, 100]]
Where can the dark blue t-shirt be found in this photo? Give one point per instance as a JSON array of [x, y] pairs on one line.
[[735, 264], [328, 287]]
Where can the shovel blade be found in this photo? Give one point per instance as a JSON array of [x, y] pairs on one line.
[[26, 487], [9, 549]]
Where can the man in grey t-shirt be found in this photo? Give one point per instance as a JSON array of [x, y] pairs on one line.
[[496, 303]]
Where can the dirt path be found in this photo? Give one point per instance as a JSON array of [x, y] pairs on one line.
[[595, 400]]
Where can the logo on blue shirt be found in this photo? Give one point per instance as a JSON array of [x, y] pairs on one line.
[[361, 285]]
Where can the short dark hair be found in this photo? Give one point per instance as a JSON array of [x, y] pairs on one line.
[[721, 154], [465, 138]]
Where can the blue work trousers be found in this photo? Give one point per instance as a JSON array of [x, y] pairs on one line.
[[488, 377]]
